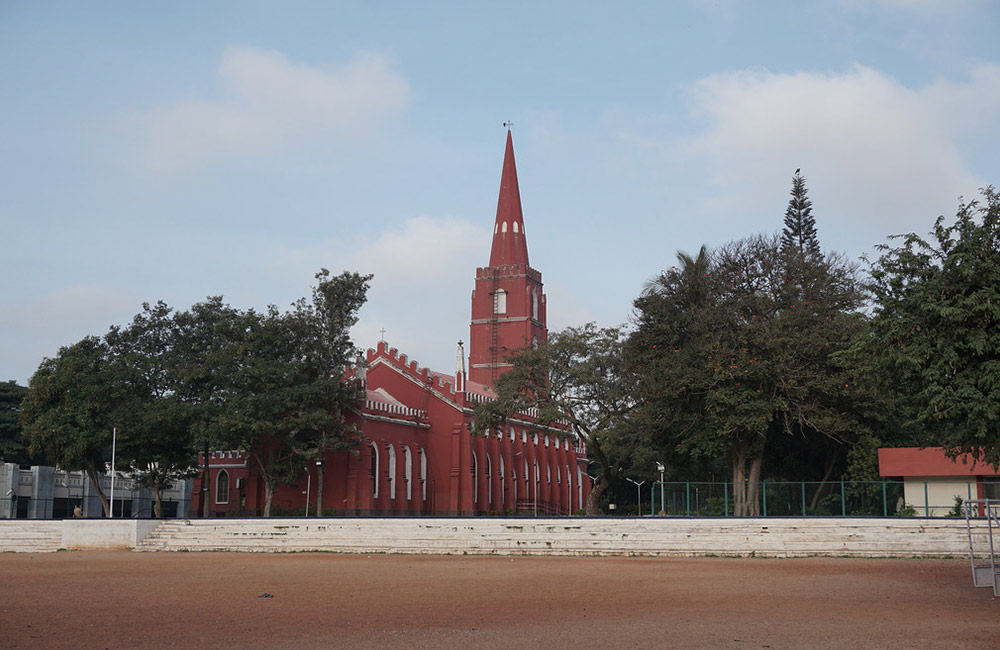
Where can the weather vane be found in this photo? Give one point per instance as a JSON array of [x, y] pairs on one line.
[[508, 124]]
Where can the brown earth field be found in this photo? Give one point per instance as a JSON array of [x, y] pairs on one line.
[[121, 599]]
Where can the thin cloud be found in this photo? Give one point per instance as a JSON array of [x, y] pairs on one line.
[[877, 154], [267, 102]]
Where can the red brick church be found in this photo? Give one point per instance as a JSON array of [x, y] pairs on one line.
[[418, 454]]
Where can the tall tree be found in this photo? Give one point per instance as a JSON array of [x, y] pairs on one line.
[[578, 377], [291, 390], [68, 411], [936, 328], [798, 239], [12, 449], [153, 420], [732, 355]]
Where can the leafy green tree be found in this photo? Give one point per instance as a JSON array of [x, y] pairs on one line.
[[209, 348], [12, 449], [68, 411], [577, 378], [733, 352], [936, 328], [290, 391], [153, 421]]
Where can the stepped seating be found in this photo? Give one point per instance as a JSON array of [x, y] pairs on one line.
[[570, 536], [30, 536]]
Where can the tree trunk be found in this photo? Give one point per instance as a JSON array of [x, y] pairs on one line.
[[268, 495], [753, 486], [157, 502], [594, 498], [747, 463], [95, 482]]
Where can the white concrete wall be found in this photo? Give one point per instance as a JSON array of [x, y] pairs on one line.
[[105, 533], [935, 496], [770, 537]]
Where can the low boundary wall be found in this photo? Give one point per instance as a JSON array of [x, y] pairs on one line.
[[771, 537]]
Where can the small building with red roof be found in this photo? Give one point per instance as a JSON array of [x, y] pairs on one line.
[[932, 480]]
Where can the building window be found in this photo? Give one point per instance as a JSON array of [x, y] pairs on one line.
[[524, 435], [534, 304], [392, 472], [475, 479], [512, 434], [489, 480], [222, 487], [375, 470], [423, 475], [408, 472], [500, 302]]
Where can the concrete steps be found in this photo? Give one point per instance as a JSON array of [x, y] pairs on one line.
[[30, 536], [771, 537]]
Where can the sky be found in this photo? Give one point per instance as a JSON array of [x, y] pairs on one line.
[[175, 151]]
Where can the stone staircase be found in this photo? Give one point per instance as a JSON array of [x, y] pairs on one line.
[[30, 536], [771, 537]]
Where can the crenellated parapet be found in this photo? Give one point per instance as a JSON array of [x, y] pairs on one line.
[[443, 384], [508, 271]]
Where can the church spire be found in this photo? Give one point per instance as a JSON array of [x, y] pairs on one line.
[[509, 244]]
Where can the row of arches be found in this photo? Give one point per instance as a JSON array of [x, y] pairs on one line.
[[398, 466], [521, 472]]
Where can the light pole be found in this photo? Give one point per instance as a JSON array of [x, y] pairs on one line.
[[319, 487], [663, 503], [638, 492], [309, 480]]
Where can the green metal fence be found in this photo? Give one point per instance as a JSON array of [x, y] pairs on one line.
[[805, 499]]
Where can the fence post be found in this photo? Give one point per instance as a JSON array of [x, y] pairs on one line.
[[885, 501], [725, 498], [843, 500], [803, 498], [687, 498], [927, 506], [763, 492]]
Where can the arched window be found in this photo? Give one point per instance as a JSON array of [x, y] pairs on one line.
[[534, 304], [222, 487], [524, 436], [500, 302], [392, 472], [489, 480], [423, 475], [408, 472], [503, 480], [513, 482], [375, 471], [475, 478]]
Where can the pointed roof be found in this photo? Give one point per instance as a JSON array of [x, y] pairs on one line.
[[509, 244]]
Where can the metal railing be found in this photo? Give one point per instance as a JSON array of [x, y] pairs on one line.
[[815, 498]]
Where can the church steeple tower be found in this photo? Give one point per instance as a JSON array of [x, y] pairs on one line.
[[508, 305], [509, 244]]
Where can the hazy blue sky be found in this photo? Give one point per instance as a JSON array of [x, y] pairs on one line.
[[178, 150]]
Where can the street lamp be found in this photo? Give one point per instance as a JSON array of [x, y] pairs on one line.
[[638, 491], [319, 487], [309, 480], [663, 503]]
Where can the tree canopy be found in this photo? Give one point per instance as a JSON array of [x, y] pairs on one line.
[[12, 449], [737, 347], [935, 331]]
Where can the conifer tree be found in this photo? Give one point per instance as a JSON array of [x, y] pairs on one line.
[[799, 235]]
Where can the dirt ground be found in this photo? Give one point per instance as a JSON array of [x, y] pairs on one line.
[[213, 600]]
